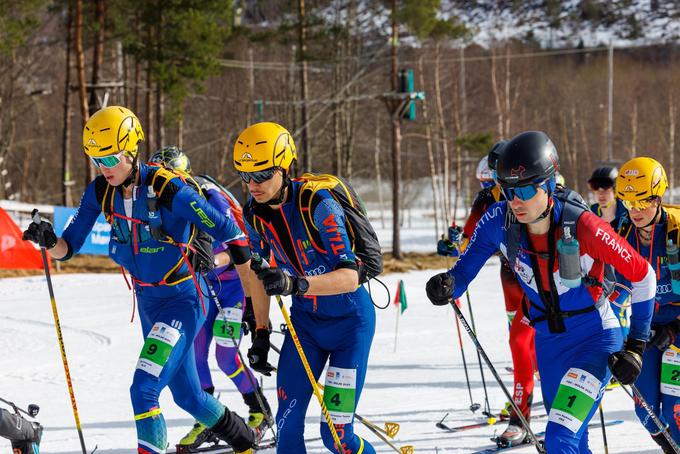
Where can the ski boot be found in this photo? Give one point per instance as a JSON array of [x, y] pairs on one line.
[[234, 430], [259, 417], [198, 435], [515, 434]]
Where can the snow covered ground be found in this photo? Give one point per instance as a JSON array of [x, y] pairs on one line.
[[414, 386]]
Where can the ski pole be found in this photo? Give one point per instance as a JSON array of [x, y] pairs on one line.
[[407, 449], [257, 263], [604, 429], [473, 405], [661, 426], [489, 364], [259, 395], [31, 411], [487, 407], [36, 218]]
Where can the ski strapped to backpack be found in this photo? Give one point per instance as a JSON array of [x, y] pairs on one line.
[[196, 252], [573, 207], [363, 239]]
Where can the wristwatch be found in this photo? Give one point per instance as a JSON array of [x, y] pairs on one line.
[[302, 285]]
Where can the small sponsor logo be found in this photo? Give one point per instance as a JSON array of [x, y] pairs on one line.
[[151, 250], [572, 375], [92, 143], [631, 172], [247, 157]]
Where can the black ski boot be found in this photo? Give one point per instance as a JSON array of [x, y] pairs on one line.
[[258, 418], [234, 430]]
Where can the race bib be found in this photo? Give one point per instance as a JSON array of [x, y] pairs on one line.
[[157, 348], [227, 327], [575, 398], [670, 373], [339, 394]]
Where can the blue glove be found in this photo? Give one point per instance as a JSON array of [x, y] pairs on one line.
[[447, 248], [455, 234]]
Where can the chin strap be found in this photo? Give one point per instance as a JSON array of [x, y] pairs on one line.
[[545, 213], [278, 200], [133, 173], [654, 219]]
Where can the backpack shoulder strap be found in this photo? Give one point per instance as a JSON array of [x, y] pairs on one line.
[[104, 193], [573, 207]]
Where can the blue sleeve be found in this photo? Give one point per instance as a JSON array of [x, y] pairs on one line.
[[218, 202], [81, 225], [257, 244], [187, 204], [330, 220], [483, 243]]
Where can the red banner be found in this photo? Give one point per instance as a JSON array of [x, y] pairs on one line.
[[16, 253]]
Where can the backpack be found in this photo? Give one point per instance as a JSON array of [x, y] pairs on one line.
[[362, 236], [199, 245], [207, 182], [573, 207]]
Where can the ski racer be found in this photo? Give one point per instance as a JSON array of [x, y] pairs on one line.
[[332, 314], [225, 328], [24, 435], [521, 334], [653, 230], [154, 217], [602, 184], [558, 249]]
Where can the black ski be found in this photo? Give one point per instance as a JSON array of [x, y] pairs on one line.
[[479, 425], [221, 448], [497, 447]]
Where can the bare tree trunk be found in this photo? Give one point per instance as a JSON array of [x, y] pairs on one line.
[[82, 88], [302, 43], [97, 55], [251, 89], [160, 116], [180, 131], [67, 183], [672, 113], [442, 135], [378, 176], [634, 129], [430, 152], [149, 139], [496, 93]]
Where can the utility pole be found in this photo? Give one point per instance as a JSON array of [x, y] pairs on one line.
[[396, 140], [610, 110], [302, 60]]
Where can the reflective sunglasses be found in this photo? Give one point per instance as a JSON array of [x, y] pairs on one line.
[[523, 193], [639, 205], [258, 177], [109, 161]]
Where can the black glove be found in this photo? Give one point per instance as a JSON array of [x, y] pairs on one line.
[[664, 335], [41, 234], [249, 323], [627, 363], [277, 282], [439, 289], [257, 354]]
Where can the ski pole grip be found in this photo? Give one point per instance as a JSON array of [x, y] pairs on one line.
[[35, 216], [257, 263]]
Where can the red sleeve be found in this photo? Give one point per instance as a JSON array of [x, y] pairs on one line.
[[599, 240]]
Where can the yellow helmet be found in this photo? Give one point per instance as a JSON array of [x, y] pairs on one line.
[[262, 146], [641, 178], [111, 130]]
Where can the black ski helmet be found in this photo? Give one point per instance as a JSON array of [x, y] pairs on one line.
[[606, 174], [528, 158], [494, 152], [173, 157]]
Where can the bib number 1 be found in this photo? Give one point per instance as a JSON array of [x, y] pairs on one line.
[[575, 398], [339, 394]]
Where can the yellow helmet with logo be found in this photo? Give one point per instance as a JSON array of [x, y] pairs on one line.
[[111, 130], [641, 178], [262, 146]]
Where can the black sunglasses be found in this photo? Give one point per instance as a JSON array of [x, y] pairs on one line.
[[258, 177]]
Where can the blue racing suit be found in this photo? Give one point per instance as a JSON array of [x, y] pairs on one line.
[[170, 308], [659, 381], [572, 360], [338, 328]]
